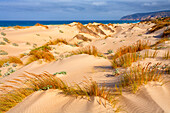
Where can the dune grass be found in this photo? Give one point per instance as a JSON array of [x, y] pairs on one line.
[[166, 55], [47, 81], [140, 75], [10, 59], [90, 50], [138, 46], [126, 55], [57, 41], [12, 98], [125, 60], [60, 40], [40, 53]]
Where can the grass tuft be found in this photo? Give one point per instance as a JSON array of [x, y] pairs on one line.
[[125, 60], [10, 59], [47, 81], [138, 46], [166, 55], [57, 41], [40, 53], [90, 50], [140, 75]]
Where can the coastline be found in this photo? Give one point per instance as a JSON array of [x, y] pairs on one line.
[[24, 23]]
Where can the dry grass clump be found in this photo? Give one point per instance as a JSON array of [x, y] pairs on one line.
[[138, 46], [90, 50], [140, 75], [60, 40], [12, 98], [10, 59], [31, 59], [40, 53], [57, 41], [47, 81], [38, 24], [125, 60], [166, 55]]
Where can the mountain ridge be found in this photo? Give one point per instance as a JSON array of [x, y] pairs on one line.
[[147, 16]]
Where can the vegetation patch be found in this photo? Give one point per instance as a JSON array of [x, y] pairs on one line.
[[2, 43], [138, 46], [3, 34], [125, 60], [15, 44], [47, 81], [140, 75], [2, 52], [6, 40], [57, 41], [90, 50], [10, 59]]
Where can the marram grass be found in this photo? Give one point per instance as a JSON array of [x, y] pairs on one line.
[[47, 81], [140, 75]]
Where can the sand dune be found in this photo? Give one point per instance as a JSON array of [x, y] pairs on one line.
[[151, 98], [52, 101]]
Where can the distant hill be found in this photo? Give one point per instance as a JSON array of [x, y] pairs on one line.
[[147, 16]]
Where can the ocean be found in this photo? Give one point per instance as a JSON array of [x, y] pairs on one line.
[[6, 23]]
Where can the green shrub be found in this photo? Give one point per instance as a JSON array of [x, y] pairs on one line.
[[2, 52], [3, 34], [6, 40], [27, 43], [61, 31], [15, 44], [110, 51], [2, 43]]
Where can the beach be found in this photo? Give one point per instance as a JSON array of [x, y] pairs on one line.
[[128, 61]]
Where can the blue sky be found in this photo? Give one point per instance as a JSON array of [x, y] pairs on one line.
[[77, 9]]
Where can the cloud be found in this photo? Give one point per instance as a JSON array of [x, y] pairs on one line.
[[77, 9], [99, 3], [150, 4]]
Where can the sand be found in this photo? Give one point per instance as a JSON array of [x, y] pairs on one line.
[[151, 98]]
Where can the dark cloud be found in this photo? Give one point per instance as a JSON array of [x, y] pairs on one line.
[[77, 9]]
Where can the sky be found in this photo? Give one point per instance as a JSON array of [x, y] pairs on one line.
[[77, 9]]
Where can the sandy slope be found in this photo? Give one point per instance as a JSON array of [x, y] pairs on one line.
[[151, 98], [52, 101]]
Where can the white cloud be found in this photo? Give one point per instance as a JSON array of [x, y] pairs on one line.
[[150, 4], [99, 3]]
